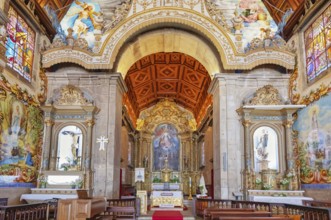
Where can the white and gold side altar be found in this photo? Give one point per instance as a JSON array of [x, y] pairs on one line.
[[269, 153]]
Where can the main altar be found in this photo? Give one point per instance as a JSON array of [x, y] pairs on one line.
[[166, 194], [168, 151]]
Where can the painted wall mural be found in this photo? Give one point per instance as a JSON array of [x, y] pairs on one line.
[[249, 17], [166, 146], [81, 20], [21, 129], [314, 142]]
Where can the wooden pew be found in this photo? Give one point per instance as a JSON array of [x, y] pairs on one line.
[[207, 211], [254, 218], [217, 214], [37, 211], [122, 208]]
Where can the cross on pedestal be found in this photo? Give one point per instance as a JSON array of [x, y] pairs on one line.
[[102, 140]]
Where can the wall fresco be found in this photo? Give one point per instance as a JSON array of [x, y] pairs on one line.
[[314, 141], [80, 20], [21, 126], [252, 15]]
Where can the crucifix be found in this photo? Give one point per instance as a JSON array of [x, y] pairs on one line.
[[102, 140]]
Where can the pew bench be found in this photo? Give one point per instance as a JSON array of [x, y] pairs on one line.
[[217, 214], [121, 212], [207, 215], [255, 218]]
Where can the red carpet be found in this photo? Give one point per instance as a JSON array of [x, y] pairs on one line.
[[165, 215]]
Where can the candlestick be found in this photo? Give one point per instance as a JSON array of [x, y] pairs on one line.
[[190, 181]]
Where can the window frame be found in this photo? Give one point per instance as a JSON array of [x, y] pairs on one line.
[[310, 45], [27, 46]]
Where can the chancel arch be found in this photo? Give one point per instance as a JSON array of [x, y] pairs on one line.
[[169, 40]]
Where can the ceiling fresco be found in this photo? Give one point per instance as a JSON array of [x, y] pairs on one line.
[[248, 19]]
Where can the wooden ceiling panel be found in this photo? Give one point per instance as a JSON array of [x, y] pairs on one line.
[[167, 75], [167, 71]]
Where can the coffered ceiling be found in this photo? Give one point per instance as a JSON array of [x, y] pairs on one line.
[[167, 75]]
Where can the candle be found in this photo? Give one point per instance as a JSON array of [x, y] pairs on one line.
[[190, 181]]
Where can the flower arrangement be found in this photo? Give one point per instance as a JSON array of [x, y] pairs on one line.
[[175, 179], [284, 182], [77, 184], [258, 181], [266, 186], [42, 181], [156, 179]]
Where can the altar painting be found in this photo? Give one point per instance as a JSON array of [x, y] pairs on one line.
[[82, 18], [166, 146], [314, 141], [265, 149], [255, 19], [21, 127]]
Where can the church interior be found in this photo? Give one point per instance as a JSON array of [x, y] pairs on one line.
[[168, 101]]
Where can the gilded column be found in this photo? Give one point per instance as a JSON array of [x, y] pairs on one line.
[[47, 147], [247, 182], [88, 150]]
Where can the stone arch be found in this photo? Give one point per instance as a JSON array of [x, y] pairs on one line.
[[106, 56], [168, 40]]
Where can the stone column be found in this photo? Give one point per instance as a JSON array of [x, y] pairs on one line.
[[48, 137], [108, 89], [219, 138], [88, 149]]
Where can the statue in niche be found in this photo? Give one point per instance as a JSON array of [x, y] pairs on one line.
[[145, 161], [186, 162]]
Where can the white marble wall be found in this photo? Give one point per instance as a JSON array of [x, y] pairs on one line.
[[229, 91]]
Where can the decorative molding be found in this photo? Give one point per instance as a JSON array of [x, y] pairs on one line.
[[231, 58], [166, 111], [71, 95], [267, 95]]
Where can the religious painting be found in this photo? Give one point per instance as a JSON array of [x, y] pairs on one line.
[[314, 141], [21, 129], [166, 147], [19, 45], [318, 45], [265, 149], [81, 19], [70, 148], [247, 17]]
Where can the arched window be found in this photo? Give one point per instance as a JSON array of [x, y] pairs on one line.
[[318, 45], [20, 45]]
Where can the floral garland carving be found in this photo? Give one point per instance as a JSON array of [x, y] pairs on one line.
[[316, 94]]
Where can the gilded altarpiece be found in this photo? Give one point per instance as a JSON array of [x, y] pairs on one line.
[[167, 141], [69, 119], [268, 147]]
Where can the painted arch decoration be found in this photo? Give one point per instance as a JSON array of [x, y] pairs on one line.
[[224, 38]]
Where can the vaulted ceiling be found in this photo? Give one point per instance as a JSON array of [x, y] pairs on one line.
[[167, 75]]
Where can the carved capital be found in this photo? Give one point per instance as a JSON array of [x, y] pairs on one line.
[[288, 124], [246, 123], [49, 122], [90, 122]]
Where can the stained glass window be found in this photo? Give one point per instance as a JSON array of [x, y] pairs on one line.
[[20, 45], [318, 45]]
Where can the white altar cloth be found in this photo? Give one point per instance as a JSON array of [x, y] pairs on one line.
[[294, 200], [167, 198], [35, 198]]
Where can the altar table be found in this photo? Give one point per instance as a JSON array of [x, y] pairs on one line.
[[35, 198], [166, 198], [294, 200]]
